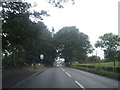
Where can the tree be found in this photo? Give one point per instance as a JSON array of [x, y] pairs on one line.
[[23, 40], [15, 23], [47, 46], [93, 59], [118, 55], [109, 42], [71, 44], [58, 3]]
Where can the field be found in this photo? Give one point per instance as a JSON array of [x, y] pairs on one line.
[[108, 64]]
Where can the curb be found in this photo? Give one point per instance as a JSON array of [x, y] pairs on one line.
[[24, 82]]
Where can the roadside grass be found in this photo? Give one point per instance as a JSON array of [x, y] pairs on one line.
[[108, 64], [98, 70]]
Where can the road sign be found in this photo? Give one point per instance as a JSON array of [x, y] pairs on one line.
[[41, 56]]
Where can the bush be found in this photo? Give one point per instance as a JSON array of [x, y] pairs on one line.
[[7, 62]]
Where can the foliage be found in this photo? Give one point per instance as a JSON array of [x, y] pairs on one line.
[[24, 40], [117, 57], [58, 3], [93, 59], [109, 42], [71, 44]]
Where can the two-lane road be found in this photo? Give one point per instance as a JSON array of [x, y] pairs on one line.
[[63, 77]]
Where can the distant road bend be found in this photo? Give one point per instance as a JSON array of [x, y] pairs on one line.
[[64, 77]]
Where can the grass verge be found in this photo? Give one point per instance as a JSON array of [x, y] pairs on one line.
[[109, 64], [99, 71]]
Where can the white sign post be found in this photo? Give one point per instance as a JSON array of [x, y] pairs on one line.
[[41, 57]]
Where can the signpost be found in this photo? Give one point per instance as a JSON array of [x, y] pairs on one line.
[[41, 57]]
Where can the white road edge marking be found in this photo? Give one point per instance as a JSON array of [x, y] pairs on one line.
[[68, 74], [80, 85]]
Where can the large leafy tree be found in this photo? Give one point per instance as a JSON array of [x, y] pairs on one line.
[[15, 26], [24, 40], [71, 44], [109, 42], [46, 45]]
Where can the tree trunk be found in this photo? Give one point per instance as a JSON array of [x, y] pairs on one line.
[[14, 58], [114, 63]]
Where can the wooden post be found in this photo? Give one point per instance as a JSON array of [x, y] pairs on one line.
[[114, 65]]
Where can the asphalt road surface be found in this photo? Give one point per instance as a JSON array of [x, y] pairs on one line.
[[64, 77]]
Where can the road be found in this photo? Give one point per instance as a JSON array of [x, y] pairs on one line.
[[64, 77]]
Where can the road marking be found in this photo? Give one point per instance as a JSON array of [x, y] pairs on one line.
[[80, 85], [68, 74], [63, 69]]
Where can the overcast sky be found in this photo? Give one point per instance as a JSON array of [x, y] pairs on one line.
[[92, 17]]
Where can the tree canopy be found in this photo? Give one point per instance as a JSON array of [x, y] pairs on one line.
[[24, 40], [71, 44], [109, 42], [58, 3]]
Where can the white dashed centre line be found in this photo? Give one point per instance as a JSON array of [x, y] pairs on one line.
[[68, 74], [81, 86], [63, 70]]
